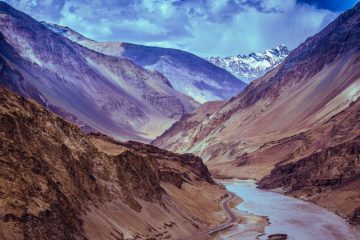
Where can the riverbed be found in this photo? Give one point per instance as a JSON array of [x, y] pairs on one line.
[[298, 219]]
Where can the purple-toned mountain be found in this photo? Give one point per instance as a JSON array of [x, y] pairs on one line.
[[187, 73], [99, 92]]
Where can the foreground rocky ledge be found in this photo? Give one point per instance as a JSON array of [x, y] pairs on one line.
[[57, 183]]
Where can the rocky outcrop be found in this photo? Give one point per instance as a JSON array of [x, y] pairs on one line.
[[53, 178], [329, 178], [330, 167], [355, 218], [278, 236], [178, 137]]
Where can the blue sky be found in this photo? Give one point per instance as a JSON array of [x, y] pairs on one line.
[[204, 27]]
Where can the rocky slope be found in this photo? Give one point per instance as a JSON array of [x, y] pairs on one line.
[[99, 92], [186, 72], [254, 65], [322, 165], [57, 183], [269, 121]]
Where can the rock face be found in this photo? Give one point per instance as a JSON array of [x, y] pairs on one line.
[[187, 73], [99, 92], [291, 119], [178, 131], [57, 183], [254, 65]]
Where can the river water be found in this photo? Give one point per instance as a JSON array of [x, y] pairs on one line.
[[298, 219]]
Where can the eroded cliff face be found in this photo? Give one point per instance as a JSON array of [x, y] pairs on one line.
[[179, 136], [57, 183], [330, 178]]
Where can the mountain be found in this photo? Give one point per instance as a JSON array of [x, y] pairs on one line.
[[58, 183], [254, 65], [295, 127], [187, 73], [99, 92]]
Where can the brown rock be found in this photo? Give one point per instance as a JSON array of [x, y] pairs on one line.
[[278, 236]]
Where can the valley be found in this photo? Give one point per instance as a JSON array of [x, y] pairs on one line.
[[104, 139]]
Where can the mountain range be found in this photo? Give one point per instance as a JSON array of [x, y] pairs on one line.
[[187, 73], [295, 129], [254, 65]]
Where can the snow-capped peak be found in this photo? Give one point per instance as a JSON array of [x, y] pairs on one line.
[[254, 65]]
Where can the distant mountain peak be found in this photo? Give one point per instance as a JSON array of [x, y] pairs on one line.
[[254, 65]]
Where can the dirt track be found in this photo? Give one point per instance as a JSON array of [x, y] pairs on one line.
[[231, 218]]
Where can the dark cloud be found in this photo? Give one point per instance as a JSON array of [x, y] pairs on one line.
[[45, 9], [260, 6], [205, 27], [332, 5]]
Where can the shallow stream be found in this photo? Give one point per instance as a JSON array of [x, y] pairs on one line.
[[298, 219]]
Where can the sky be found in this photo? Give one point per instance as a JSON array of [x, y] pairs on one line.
[[204, 27]]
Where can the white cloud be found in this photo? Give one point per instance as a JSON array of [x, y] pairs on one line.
[[252, 30], [223, 27]]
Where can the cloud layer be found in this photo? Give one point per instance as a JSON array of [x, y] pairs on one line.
[[204, 27]]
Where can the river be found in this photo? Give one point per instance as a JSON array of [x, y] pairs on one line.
[[298, 219]]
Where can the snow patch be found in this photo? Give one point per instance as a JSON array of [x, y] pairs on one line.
[[254, 65]]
